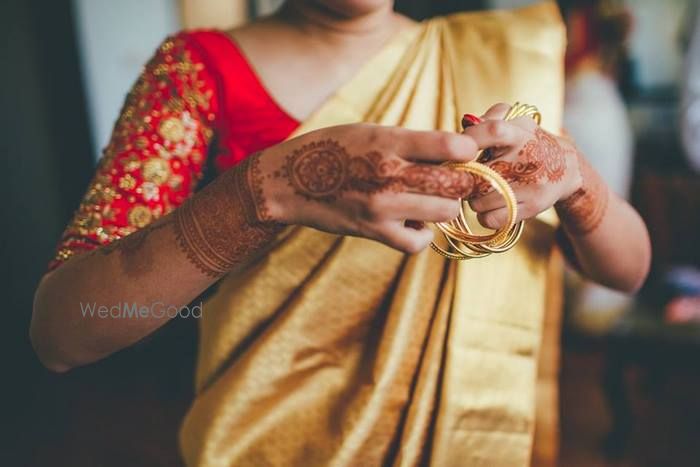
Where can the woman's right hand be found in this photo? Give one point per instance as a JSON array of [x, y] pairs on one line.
[[364, 180]]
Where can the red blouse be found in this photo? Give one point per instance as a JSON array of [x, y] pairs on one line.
[[197, 99]]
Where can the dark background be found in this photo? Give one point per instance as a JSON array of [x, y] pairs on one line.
[[67, 419], [126, 409]]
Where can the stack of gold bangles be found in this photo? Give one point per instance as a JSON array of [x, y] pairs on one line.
[[463, 243]]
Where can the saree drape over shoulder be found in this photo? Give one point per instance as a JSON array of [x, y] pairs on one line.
[[340, 351]]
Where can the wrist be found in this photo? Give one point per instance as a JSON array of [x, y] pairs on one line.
[[582, 210], [263, 202], [225, 224], [576, 179]]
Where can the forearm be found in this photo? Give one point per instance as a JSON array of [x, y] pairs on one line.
[[608, 238], [66, 329], [169, 262]]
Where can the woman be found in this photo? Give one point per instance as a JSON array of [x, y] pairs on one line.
[[328, 337]]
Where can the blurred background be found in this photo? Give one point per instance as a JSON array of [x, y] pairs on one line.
[[627, 368]]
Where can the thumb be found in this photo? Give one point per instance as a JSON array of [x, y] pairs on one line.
[[496, 112]]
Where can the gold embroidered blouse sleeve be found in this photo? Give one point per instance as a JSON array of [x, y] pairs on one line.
[[156, 153]]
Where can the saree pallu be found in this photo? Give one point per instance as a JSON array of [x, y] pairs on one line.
[[340, 351]]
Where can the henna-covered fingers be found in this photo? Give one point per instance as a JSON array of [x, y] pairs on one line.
[[434, 181], [324, 170]]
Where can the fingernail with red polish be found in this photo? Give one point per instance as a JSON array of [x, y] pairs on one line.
[[469, 120]]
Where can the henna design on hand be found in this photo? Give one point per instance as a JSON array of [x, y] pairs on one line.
[[227, 221], [324, 170], [583, 211], [542, 157]]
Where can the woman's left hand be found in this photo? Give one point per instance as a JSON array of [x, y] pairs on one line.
[[541, 168]]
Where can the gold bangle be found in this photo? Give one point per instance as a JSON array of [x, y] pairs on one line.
[[511, 240], [500, 185], [465, 239], [495, 246]]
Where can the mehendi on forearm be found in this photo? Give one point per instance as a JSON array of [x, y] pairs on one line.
[[583, 211], [227, 221]]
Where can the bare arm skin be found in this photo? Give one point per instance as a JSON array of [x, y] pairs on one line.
[[608, 238], [359, 180]]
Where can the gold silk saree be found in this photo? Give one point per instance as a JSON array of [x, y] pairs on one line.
[[339, 351]]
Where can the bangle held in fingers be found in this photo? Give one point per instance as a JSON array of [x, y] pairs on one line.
[[457, 232]]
